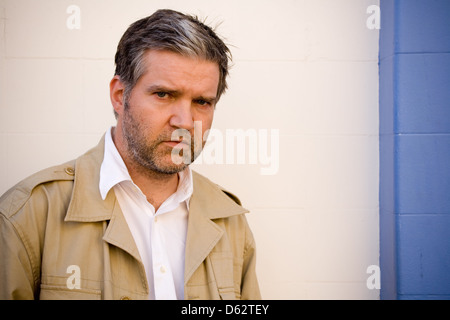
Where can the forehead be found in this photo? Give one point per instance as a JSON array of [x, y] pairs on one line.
[[175, 70]]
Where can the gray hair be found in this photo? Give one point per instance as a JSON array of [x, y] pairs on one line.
[[173, 31]]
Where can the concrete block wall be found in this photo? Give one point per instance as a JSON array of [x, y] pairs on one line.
[[307, 68], [415, 149]]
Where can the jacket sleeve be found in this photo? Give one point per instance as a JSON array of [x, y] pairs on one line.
[[249, 283], [16, 275]]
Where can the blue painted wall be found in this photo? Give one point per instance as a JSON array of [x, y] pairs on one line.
[[415, 149]]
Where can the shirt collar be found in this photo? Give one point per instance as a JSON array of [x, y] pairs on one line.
[[114, 171], [185, 186]]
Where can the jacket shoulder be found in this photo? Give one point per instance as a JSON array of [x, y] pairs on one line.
[[17, 196]]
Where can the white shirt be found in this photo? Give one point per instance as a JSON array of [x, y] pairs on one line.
[[160, 236]]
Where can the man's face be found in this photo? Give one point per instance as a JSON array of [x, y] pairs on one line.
[[174, 92]]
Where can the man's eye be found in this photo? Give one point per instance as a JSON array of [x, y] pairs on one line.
[[161, 94], [202, 102]]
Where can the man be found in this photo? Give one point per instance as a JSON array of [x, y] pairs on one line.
[[129, 219]]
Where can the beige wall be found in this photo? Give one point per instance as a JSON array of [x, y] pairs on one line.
[[305, 67]]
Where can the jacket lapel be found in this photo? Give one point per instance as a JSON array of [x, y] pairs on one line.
[[118, 233], [208, 202], [202, 236]]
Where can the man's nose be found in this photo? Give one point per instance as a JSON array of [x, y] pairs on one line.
[[182, 116]]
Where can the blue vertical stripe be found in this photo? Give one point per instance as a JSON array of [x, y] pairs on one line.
[[415, 149]]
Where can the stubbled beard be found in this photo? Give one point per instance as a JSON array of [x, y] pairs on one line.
[[149, 155]]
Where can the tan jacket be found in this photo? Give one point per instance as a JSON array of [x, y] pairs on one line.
[[60, 240]]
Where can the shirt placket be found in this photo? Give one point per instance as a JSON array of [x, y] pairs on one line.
[[162, 274]]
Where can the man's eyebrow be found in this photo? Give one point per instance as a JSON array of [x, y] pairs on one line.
[[159, 88]]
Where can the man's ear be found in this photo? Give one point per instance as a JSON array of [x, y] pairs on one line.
[[116, 93]]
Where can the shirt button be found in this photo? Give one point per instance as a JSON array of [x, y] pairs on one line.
[[162, 269]]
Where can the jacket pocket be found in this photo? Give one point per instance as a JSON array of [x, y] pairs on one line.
[[49, 292], [224, 272]]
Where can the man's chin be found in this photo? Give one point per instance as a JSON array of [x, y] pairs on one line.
[[171, 165], [167, 160]]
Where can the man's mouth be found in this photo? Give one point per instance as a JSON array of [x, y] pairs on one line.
[[175, 143]]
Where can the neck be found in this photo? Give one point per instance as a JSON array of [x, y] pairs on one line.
[[155, 186]]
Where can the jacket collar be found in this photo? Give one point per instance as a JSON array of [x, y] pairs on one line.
[[87, 204]]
